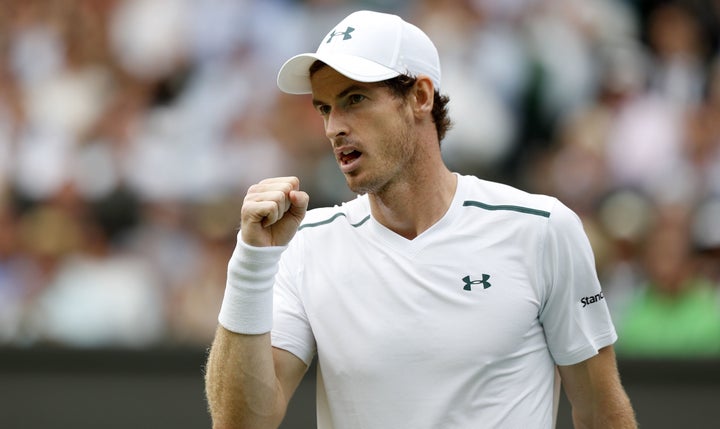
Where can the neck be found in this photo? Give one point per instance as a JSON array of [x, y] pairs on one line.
[[410, 207]]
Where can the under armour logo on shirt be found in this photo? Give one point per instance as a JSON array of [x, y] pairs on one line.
[[484, 282]]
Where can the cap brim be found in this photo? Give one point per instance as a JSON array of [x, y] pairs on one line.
[[294, 75]]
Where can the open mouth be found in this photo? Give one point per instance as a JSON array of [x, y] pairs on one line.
[[348, 156]]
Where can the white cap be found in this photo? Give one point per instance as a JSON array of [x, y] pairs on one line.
[[367, 47]]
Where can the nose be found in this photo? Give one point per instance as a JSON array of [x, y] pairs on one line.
[[335, 125]]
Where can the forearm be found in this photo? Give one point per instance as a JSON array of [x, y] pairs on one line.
[[596, 394], [610, 408], [241, 385]]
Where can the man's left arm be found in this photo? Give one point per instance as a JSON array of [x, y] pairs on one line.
[[596, 394]]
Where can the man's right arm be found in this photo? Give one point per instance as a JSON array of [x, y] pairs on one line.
[[248, 382]]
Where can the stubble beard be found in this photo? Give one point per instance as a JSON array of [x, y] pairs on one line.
[[394, 154]]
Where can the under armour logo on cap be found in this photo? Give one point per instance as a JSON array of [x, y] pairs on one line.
[[346, 34]]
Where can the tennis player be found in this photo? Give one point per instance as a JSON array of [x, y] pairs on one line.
[[433, 299]]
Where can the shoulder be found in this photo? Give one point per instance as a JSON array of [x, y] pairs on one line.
[[515, 208], [498, 197]]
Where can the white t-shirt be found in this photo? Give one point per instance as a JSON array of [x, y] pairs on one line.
[[460, 327]]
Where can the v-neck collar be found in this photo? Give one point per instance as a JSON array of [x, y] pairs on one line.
[[404, 245]]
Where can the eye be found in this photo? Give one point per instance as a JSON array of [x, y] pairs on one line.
[[323, 109], [355, 98]]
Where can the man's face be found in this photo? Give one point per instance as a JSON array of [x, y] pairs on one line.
[[371, 130]]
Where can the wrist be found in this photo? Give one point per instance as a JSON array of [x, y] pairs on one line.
[[247, 303]]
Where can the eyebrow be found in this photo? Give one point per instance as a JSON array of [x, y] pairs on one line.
[[343, 93]]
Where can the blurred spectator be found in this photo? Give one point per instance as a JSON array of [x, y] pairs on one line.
[[19, 274], [485, 72], [677, 312], [706, 238], [702, 144], [624, 217], [194, 304], [97, 295], [679, 53]]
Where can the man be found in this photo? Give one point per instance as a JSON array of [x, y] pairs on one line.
[[433, 300]]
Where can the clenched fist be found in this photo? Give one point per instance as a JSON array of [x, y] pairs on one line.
[[272, 211]]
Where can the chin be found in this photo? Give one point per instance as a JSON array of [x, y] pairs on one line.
[[360, 187], [355, 185]]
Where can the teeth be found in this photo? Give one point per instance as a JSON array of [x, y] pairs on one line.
[[347, 152]]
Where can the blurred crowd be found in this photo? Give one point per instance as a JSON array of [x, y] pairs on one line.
[[130, 130]]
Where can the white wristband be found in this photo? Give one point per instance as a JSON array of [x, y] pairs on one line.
[[248, 300]]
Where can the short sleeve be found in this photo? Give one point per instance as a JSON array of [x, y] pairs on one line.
[[291, 328], [574, 313]]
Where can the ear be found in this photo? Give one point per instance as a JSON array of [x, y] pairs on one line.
[[423, 96]]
